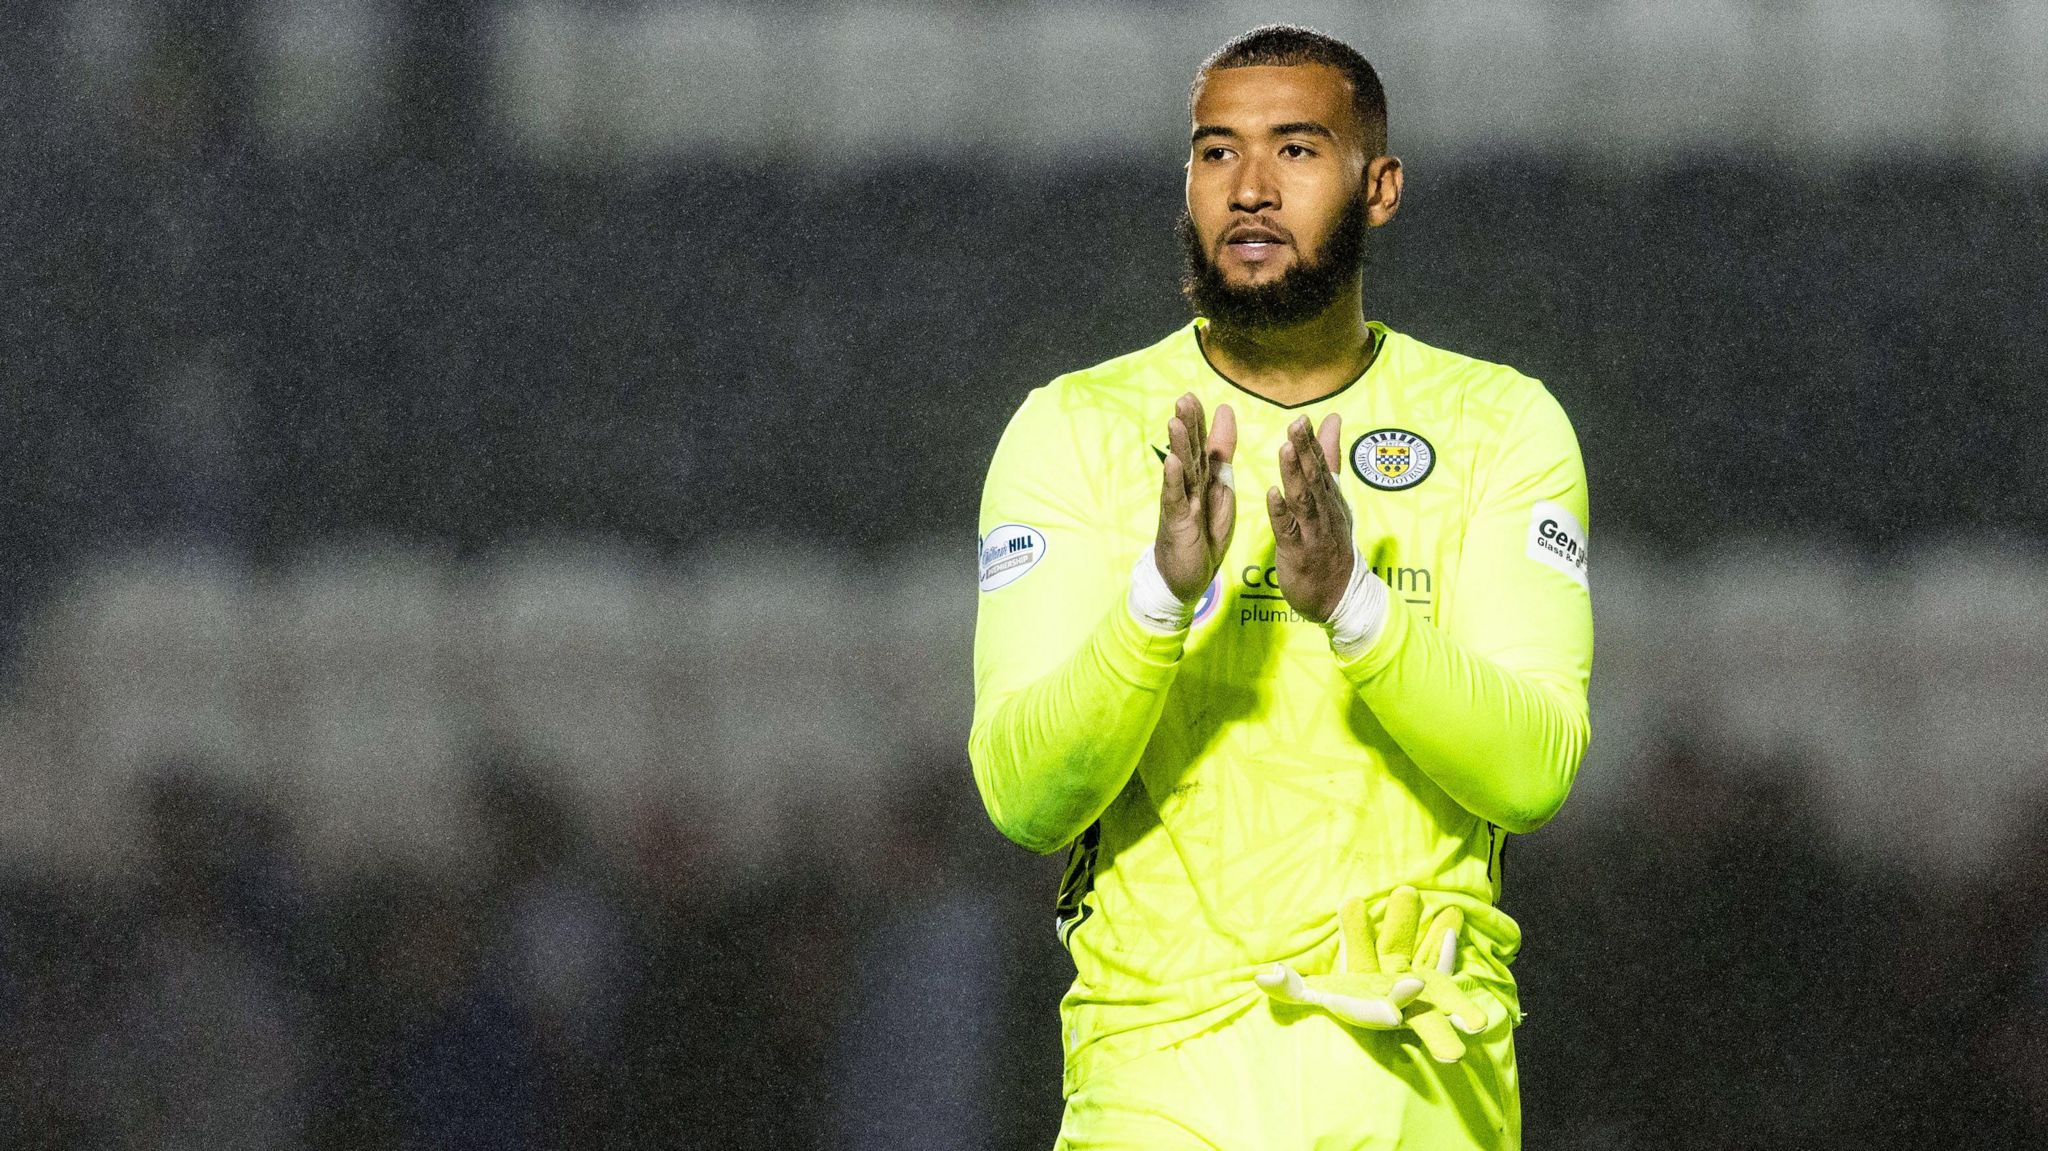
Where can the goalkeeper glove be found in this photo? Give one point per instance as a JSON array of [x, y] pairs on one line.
[[1388, 983]]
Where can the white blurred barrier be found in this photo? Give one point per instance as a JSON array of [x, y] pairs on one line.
[[755, 682], [1054, 82], [1916, 693]]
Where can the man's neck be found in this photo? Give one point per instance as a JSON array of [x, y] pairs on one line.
[[1297, 363]]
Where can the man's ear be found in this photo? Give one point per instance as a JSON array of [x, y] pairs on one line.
[[1382, 189]]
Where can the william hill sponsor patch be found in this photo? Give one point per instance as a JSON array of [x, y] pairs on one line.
[[1007, 552]]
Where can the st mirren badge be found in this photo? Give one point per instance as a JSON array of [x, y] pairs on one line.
[[1392, 460]]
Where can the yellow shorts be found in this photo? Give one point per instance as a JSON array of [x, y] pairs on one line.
[[1290, 1079]]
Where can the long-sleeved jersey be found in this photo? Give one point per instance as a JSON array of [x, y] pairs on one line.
[[1224, 788]]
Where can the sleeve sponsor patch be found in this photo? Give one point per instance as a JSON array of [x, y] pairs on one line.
[[1007, 552], [1557, 541]]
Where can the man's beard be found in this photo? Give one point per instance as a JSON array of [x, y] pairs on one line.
[[1302, 291]]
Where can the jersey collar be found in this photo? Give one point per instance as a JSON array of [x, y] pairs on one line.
[[1381, 335]]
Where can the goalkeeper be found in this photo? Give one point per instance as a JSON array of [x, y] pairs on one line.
[[1284, 628]]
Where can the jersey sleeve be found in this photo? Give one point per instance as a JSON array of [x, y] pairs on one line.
[[1492, 704], [1067, 685]]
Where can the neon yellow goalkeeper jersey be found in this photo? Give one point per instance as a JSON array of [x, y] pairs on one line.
[[1223, 789]]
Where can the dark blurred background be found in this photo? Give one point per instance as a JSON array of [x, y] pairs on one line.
[[484, 580]]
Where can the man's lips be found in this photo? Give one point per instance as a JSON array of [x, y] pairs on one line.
[[1252, 234], [1253, 245]]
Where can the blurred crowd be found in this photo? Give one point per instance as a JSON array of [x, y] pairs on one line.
[[1699, 953], [1707, 968], [576, 994]]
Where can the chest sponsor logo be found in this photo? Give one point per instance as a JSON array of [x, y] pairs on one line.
[[1008, 552], [1392, 459], [1556, 540], [1261, 600]]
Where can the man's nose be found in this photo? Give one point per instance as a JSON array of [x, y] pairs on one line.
[[1253, 191]]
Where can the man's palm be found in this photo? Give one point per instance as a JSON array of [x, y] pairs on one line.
[[1313, 551], [1197, 504]]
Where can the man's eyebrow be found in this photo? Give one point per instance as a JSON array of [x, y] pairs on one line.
[[1291, 128], [1303, 128]]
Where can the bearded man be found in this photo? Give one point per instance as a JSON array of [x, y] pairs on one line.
[[1284, 754]]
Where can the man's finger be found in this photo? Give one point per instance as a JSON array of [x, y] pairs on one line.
[[1328, 437], [1285, 526], [1308, 472], [1173, 489], [1294, 483], [1319, 474], [1223, 435], [1316, 468], [1301, 434], [1222, 511], [1189, 410], [1222, 445], [1180, 453]]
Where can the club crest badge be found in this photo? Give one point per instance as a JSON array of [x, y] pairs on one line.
[[1392, 460]]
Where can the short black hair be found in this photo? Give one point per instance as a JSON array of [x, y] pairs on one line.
[[1289, 44]]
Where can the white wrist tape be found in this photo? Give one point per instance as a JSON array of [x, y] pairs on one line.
[[1361, 611], [1152, 603]]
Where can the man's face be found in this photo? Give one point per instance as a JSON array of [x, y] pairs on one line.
[[1275, 217]]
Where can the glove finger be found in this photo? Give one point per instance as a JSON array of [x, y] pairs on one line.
[[1352, 921], [1405, 989], [1437, 1035], [1444, 994], [1285, 984], [1360, 1011], [1440, 943], [1397, 928]]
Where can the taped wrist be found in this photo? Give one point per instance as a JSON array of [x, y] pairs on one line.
[[1152, 603], [1360, 612]]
